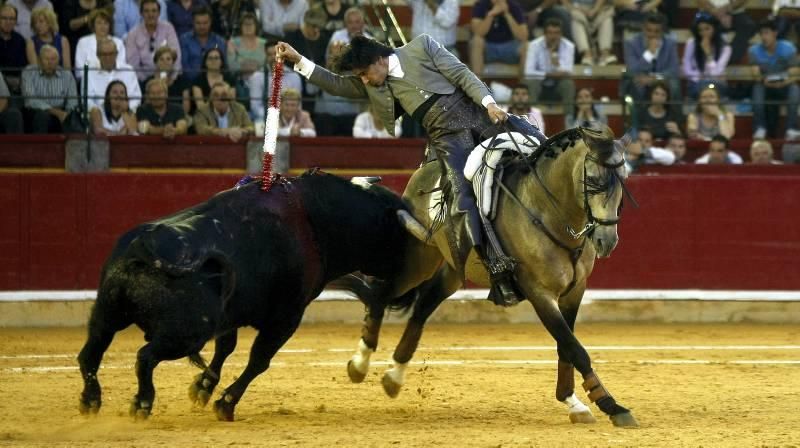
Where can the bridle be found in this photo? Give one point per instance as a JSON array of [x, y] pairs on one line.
[[593, 222]]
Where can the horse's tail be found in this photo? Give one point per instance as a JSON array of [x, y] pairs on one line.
[[374, 292]]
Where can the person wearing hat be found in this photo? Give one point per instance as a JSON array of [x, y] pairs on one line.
[[426, 81]]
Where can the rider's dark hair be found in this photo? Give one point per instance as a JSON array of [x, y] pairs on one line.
[[361, 53]]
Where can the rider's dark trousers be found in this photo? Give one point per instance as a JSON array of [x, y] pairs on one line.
[[454, 124]]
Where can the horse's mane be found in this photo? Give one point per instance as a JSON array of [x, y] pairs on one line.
[[600, 143]]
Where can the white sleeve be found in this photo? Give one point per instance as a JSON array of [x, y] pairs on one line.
[[360, 129], [305, 67], [662, 156]]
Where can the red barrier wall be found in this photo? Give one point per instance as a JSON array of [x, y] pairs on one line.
[[692, 231]]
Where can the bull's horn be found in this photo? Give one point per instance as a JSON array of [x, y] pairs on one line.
[[413, 226]]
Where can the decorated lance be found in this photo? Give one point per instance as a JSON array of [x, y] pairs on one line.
[[271, 125]]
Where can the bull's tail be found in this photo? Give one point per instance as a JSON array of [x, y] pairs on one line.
[[374, 292]]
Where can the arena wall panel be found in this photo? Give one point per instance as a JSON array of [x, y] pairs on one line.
[[695, 231]]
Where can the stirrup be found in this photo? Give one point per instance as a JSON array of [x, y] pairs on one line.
[[501, 275]]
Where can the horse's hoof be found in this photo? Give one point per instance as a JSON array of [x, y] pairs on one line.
[[624, 420], [582, 417], [198, 395], [89, 408], [224, 410], [391, 387], [355, 375]]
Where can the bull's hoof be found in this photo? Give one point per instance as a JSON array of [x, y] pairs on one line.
[[140, 410], [585, 417], [200, 391], [91, 407], [390, 386], [624, 420], [224, 410], [355, 375]]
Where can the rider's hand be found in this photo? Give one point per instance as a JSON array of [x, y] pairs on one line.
[[285, 52], [496, 115]]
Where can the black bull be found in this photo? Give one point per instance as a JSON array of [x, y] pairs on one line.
[[243, 258]]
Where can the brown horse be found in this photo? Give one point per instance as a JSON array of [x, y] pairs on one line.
[[551, 203]]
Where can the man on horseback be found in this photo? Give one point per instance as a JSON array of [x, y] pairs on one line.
[[438, 91]]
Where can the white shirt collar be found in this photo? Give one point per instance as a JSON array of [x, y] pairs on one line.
[[394, 67]]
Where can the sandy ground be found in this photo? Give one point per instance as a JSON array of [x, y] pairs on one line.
[[471, 385]]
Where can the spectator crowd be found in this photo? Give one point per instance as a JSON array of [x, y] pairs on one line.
[[175, 67]]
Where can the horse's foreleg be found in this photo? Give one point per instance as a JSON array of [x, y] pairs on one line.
[[358, 365], [565, 385], [269, 340], [431, 294], [572, 351], [202, 388]]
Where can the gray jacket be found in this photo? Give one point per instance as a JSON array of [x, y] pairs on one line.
[[427, 66]]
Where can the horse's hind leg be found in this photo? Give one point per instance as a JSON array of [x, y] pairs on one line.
[[431, 294], [565, 386], [358, 365], [203, 386], [270, 338], [572, 351]]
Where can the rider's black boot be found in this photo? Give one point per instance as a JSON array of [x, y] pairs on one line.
[[501, 276]]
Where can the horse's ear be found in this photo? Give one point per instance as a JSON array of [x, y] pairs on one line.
[[626, 140]]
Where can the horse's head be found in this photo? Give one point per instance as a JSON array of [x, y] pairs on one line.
[[604, 174]]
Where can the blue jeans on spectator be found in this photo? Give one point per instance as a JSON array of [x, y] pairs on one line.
[[11, 121], [790, 94], [506, 52]]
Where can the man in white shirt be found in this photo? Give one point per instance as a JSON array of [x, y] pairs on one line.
[[279, 17], [439, 18], [642, 152], [108, 70], [521, 105], [548, 66], [354, 24], [719, 153]]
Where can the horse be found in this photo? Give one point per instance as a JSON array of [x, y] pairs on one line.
[[242, 258], [557, 210]]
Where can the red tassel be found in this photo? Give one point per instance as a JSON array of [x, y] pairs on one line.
[[274, 102], [266, 174]]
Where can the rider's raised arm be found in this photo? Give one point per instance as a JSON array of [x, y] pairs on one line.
[[346, 86]]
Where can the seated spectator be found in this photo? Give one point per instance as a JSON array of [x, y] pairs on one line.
[[127, 16], [145, 38], [178, 88], [333, 14], [24, 10], [787, 16], [10, 116], [439, 18], [660, 115], [732, 16], [246, 51], [719, 153], [499, 34], [179, 14], [538, 12], [196, 43], [335, 115], [115, 116], [548, 66], [354, 24], [226, 16], [86, 52], [706, 55], [282, 17], [677, 144], [101, 75], [369, 125], [214, 71], [12, 49], [592, 19], [585, 113], [775, 79], [223, 116], [50, 93], [521, 105], [74, 17], [642, 152], [157, 116], [651, 56], [260, 84], [44, 25], [710, 117], [293, 120], [631, 14], [315, 38], [761, 153]]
